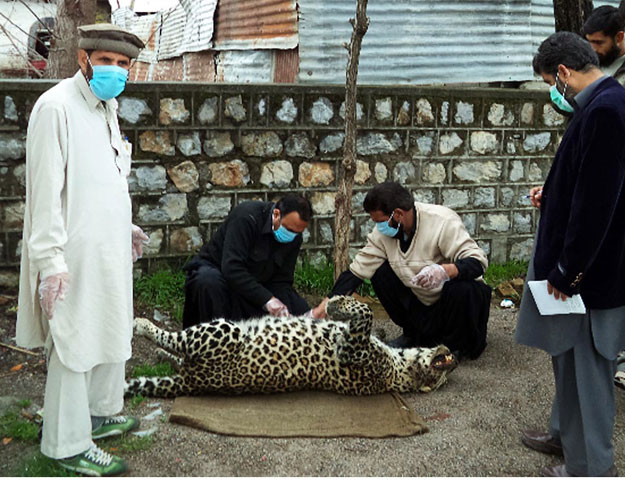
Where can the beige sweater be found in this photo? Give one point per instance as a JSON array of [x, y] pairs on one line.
[[440, 238]]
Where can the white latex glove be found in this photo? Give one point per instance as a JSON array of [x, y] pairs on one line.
[[51, 289], [430, 277], [275, 307], [319, 312], [139, 239]]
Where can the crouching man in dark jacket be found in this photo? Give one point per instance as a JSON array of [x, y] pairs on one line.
[[247, 268]]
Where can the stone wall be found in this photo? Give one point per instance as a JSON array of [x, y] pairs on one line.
[[199, 149]]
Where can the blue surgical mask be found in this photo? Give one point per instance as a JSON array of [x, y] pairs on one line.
[[559, 99], [385, 228], [107, 81], [284, 235]]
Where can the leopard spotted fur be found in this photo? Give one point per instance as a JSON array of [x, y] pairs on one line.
[[272, 354]]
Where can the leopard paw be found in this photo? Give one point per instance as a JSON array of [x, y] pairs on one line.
[[141, 325]]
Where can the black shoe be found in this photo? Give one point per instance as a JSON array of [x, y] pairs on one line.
[[402, 342]]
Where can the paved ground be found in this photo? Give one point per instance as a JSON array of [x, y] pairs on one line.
[[474, 423]]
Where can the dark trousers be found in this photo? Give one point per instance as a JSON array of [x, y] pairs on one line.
[[583, 410], [458, 320], [208, 296]]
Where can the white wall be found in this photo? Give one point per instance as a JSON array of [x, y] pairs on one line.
[[14, 38]]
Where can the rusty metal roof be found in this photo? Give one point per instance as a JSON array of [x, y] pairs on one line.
[[256, 24]]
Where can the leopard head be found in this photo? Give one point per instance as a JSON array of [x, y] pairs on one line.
[[430, 366]]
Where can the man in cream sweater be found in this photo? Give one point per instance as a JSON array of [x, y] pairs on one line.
[[426, 271]]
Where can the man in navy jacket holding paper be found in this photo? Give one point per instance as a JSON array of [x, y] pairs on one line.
[[580, 249]]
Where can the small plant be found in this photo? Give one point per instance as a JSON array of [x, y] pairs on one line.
[[12, 425], [366, 289], [320, 280], [160, 369], [136, 401], [314, 279], [24, 403], [163, 290], [498, 273]]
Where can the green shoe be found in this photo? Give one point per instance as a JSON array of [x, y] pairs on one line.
[[95, 462], [114, 426]]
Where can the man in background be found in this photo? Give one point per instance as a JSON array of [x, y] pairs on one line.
[[604, 30]]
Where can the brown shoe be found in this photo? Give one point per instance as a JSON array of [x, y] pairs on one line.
[[542, 442], [560, 471]]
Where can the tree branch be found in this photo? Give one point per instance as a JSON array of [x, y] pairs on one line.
[[347, 168], [18, 349]]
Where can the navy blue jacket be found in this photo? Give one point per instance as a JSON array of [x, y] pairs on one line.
[[580, 247]]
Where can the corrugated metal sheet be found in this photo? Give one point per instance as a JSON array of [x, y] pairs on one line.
[[187, 28], [146, 27], [244, 66], [286, 66], [199, 66], [172, 30], [198, 27], [429, 41], [256, 24], [144, 6]]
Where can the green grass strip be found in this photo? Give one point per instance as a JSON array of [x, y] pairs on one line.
[[498, 273], [159, 369], [162, 290]]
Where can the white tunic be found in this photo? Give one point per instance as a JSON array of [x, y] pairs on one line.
[[77, 219]]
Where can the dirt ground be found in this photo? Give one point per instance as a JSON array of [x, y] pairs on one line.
[[474, 420]]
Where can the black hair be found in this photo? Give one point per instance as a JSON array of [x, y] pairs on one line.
[[386, 197], [606, 19], [295, 203], [566, 48]]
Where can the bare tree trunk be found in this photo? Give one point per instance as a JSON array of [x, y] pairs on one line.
[[70, 14], [348, 166], [571, 14]]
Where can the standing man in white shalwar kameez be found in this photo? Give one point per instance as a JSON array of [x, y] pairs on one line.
[[78, 248]]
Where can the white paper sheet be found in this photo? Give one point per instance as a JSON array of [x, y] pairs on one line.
[[549, 305]]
